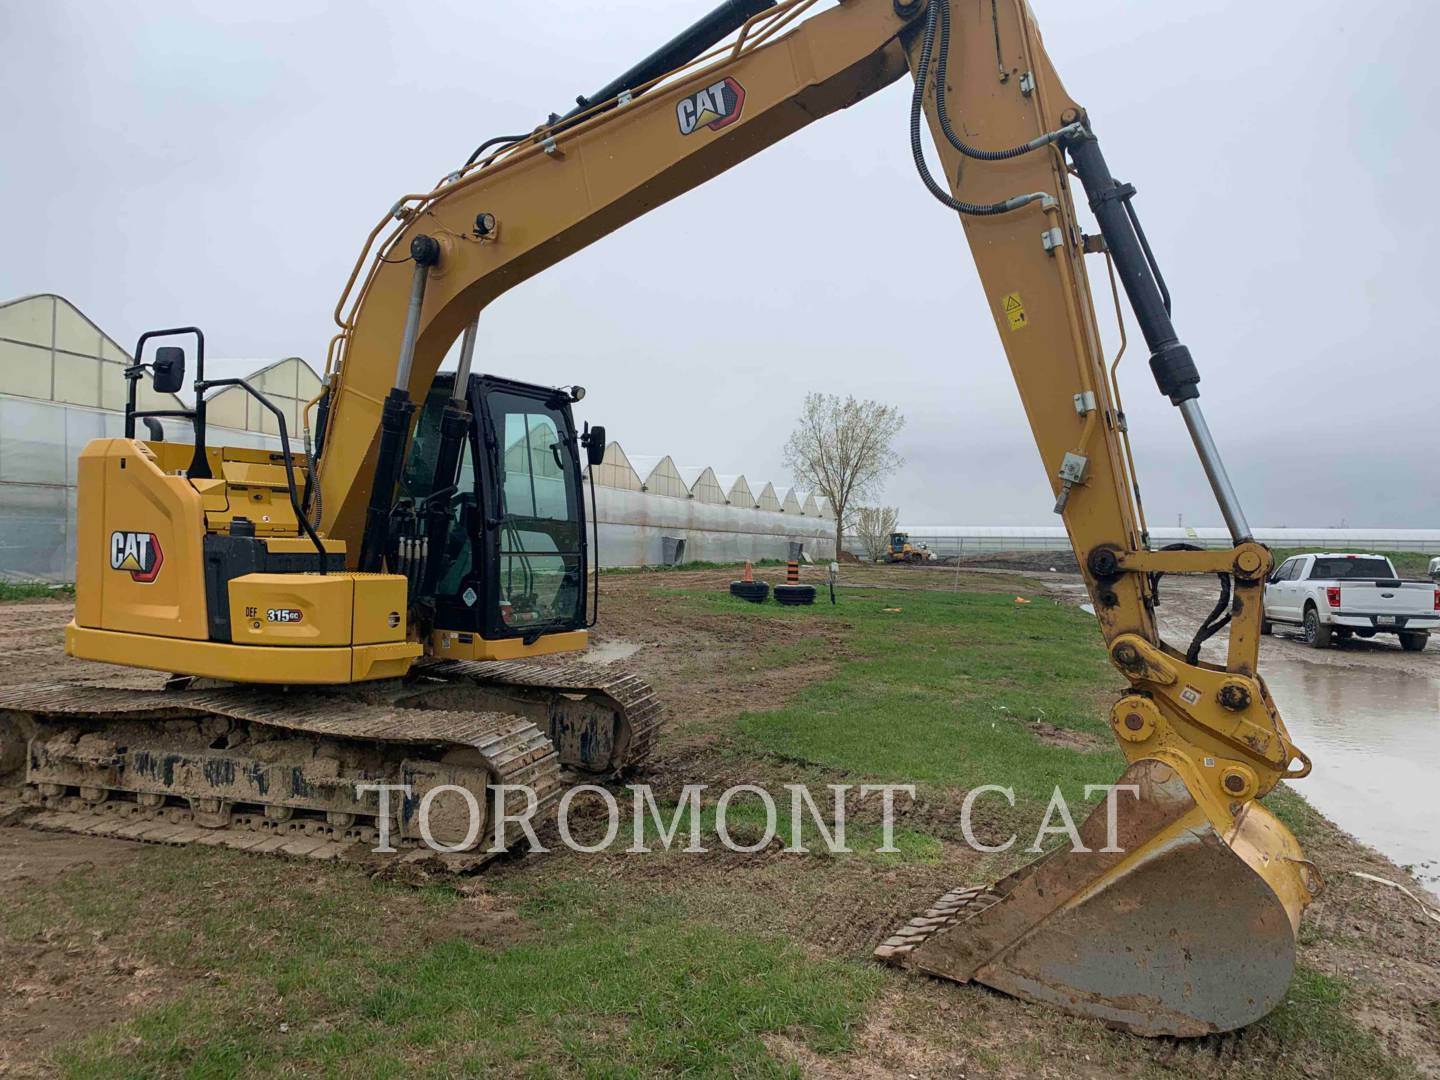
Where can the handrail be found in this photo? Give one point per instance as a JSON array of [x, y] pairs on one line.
[[300, 516], [404, 209]]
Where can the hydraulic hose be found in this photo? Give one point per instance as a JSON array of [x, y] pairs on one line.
[[502, 140], [1213, 623], [943, 9], [917, 147]]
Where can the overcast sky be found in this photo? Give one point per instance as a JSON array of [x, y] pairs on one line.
[[220, 163]]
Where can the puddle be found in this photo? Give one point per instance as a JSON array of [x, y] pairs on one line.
[[608, 652], [1374, 736]]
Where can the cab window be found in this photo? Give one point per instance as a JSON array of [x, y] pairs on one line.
[[541, 573]]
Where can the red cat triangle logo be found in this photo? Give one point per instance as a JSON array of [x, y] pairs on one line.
[[138, 553]]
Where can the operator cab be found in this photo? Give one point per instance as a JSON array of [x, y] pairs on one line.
[[514, 578]]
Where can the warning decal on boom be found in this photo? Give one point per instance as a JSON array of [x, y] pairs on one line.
[[1014, 311]]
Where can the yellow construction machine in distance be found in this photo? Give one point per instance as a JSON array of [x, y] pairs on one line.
[[900, 550]]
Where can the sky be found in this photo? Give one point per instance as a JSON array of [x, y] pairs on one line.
[[220, 164]]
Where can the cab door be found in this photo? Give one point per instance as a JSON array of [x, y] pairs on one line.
[[534, 529], [1281, 603]]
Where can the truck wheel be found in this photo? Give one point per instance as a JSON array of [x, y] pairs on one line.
[[1366, 633], [1265, 628], [1414, 640], [1317, 634]]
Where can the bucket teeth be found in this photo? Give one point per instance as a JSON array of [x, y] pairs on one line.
[[951, 908], [1186, 930]]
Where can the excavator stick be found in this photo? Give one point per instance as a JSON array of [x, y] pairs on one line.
[[1182, 931]]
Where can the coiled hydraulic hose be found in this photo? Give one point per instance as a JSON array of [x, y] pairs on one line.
[[917, 148]]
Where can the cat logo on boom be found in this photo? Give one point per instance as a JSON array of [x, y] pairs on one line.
[[137, 552], [715, 107]]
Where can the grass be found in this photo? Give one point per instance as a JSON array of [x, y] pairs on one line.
[[1314, 1015], [571, 966], [322, 977], [952, 681], [11, 590]]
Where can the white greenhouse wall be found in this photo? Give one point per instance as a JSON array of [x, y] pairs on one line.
[[634, 527], [40, 444], [61, 386]]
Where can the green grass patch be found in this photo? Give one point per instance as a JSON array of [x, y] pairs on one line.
[[1296, 814], [34, 590], [749, 824], [327, 975], [1313, 1025], [940, 691]]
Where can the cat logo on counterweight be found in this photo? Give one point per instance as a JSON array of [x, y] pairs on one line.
[[715, 107], [138, 553]]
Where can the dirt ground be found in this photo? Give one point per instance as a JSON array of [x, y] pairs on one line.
[[52, 991]]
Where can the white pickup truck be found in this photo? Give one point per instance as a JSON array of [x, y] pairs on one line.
[[1332, 596]]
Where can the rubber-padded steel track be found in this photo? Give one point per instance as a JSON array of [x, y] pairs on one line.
[[634, 704], [513, 749]]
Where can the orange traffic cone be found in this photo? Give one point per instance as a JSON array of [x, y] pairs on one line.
[[749, 574]]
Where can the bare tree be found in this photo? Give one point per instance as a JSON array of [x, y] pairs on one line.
[[873, 525], [841, 448]]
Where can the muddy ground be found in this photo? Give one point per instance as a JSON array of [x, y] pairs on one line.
[[53, 991]]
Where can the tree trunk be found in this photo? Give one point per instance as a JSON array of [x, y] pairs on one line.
[[839, 532]]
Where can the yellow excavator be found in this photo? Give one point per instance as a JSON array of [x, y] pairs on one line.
[[372, 609]]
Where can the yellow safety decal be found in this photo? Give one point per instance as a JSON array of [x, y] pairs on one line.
[[1015, 311]]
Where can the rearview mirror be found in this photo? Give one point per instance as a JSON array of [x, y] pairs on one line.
[[594, 440], [168, 370]]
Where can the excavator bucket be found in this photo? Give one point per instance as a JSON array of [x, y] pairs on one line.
[[1184, 931]]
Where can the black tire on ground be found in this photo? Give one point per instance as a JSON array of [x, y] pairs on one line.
[[794, 595], [1344, 633], [754, 591], [1366, 633], [1265, 627], [1317, 634], [1414, 640]]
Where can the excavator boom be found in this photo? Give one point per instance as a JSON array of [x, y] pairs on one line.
[[1178, 913], [1118, 935]]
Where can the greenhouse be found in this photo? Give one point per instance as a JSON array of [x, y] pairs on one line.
[[62, 384]]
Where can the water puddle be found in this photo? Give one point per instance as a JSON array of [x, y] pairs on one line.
[[1374, 736]]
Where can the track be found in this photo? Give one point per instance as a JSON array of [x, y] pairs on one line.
[[600, 720], [268, 771], [275, 770]]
